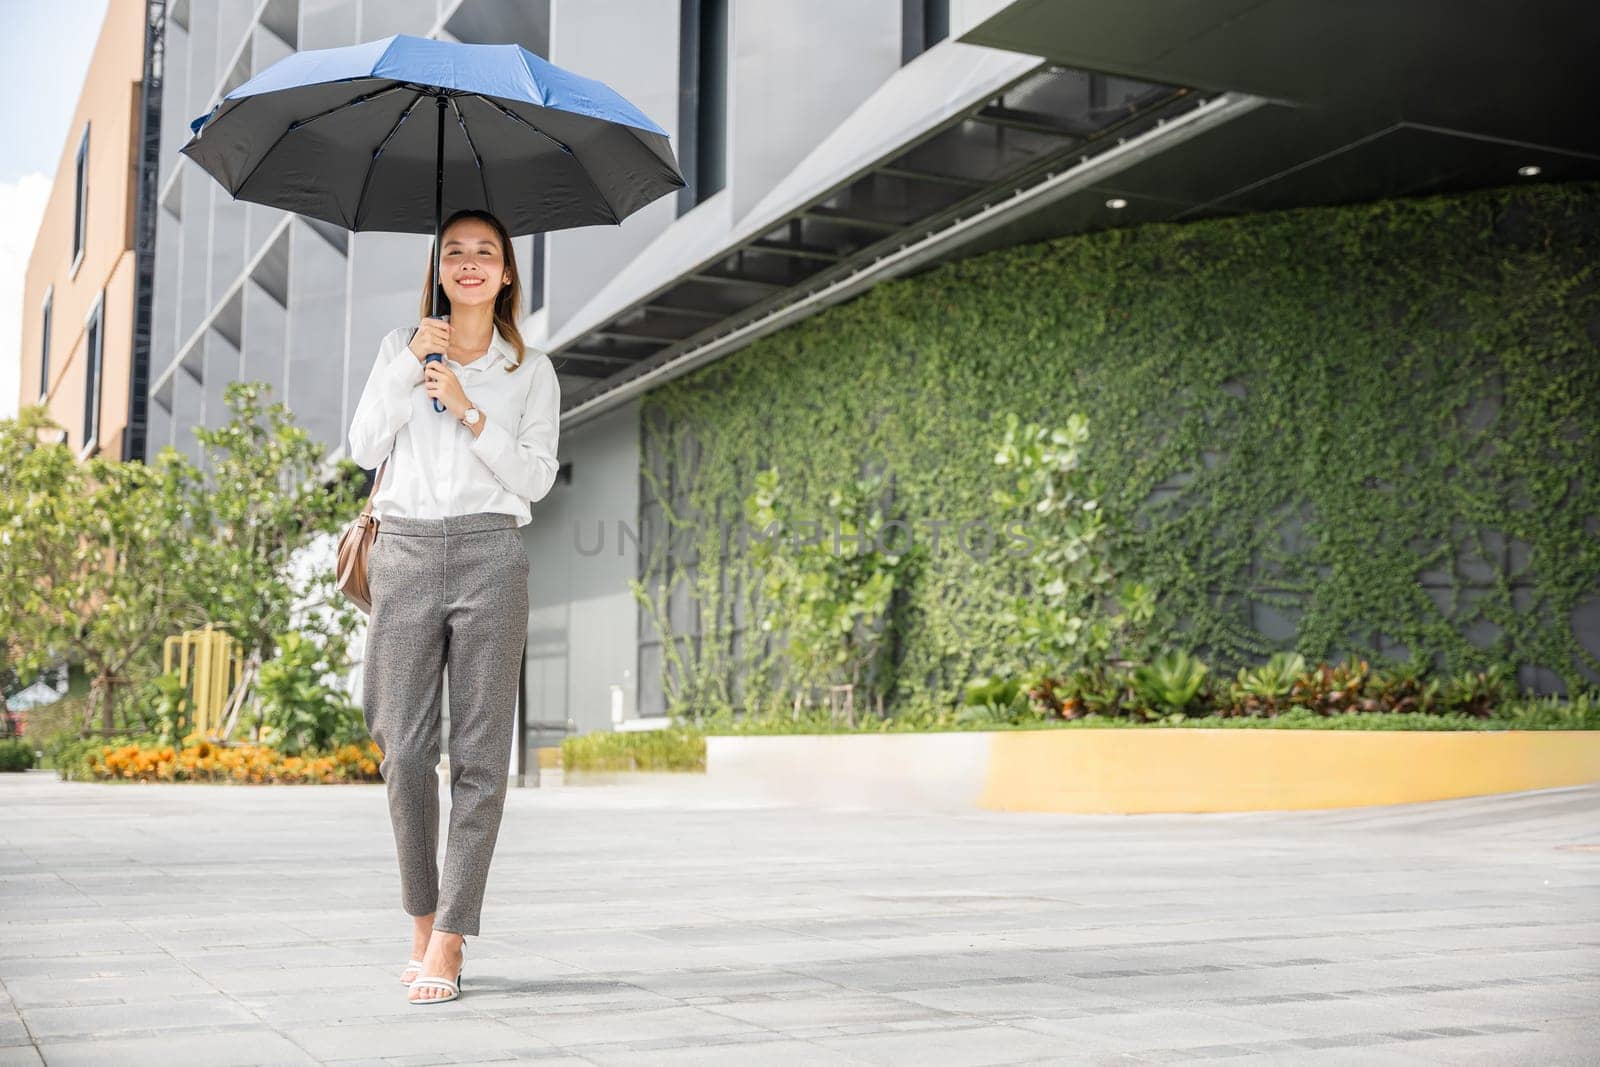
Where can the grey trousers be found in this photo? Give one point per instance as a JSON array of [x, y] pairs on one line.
[[445, 591]]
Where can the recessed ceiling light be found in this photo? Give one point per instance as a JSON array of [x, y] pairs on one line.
[[1116, 203], [1530, 171]]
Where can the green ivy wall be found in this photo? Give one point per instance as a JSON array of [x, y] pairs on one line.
[[1369, 430]]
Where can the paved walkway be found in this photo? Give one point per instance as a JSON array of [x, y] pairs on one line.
[[668, 925]]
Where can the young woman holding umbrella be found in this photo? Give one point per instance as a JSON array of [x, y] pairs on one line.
[[343, 135], [448, 574]]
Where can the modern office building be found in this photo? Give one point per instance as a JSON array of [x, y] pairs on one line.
[[828, 146]]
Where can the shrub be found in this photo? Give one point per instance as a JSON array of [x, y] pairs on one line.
[[1173, 690], [678, 748], [300, 710], [1478, 693], [1171, 685], [15, 754], [1582, 712], [1264, 690]]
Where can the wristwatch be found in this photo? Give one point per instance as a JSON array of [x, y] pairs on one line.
[[470, 417]]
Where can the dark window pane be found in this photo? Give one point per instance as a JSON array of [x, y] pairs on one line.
[[81, 196], [44, 346]]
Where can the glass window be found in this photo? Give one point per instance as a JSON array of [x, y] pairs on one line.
[[80, 218], [44, 343], [703, 90], [91, 390], [923, 24]]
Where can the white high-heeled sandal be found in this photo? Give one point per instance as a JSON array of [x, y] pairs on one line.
[[431, 981], [411, 965]]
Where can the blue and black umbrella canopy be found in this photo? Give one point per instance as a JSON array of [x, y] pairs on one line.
[[394, 134]]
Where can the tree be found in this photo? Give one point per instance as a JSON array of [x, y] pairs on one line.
[[86, 561], [101, 561], [264, 502]]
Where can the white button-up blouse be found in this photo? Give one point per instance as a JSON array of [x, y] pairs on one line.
[[438, 467]]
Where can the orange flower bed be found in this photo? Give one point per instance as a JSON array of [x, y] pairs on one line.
[[203, 760]]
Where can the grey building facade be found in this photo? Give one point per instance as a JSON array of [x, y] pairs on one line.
[[828, 145]]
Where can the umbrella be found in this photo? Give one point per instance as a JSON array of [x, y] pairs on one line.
[[342, 135]]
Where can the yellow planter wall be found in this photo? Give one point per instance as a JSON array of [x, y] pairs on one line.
[[1191, 770]]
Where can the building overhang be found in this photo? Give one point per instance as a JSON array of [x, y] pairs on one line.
[[1061, 117]]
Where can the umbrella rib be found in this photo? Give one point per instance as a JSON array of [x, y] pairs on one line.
[[295, 125], [581, 169], [366, 182], [476, 158]]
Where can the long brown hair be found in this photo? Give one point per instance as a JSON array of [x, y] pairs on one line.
[[506, 301]]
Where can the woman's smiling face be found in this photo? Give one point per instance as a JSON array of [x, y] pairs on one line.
[[474, 269]]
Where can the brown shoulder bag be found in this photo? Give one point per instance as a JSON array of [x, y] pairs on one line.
[[354, 544]]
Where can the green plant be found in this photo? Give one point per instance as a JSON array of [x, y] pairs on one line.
[[1581, 712], [1065, 617], [677, 748], [1404, 688], [1391, 463], [830, 595], [170, 706], [1331, 690], [984, 692], [1014, 710], [16, 754], [1265, 690], [300, 710], [1172, 684], [1044, 694], [1477, 693], [1103, 689]]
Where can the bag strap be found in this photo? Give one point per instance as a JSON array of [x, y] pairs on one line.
[[367, 510], [379, 479]]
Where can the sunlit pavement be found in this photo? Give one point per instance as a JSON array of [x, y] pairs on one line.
[[669, 924]]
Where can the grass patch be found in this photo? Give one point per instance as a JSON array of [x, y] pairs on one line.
[[678, 748]]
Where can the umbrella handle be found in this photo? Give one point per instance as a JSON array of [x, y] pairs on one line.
[[430, 359], [438, 219]]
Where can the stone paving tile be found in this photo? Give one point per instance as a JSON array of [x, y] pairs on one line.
[[41, 992], [575, 1029], [786, 1053], [952, 1048], [447, 1029], [835, 1010], [12, 1032], [269, 981], [1368, 1057], [89, 965], [216, 1048], [1157, 1028], [632, 925], [731, 982], [145, 1017], [1025, 999], [1566, 1043]]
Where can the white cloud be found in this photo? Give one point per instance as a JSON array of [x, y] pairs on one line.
[[21, 209]]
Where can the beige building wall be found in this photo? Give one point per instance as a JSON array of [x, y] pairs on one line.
[[109, 105]]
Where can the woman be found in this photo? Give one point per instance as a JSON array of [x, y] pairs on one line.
[[448, 574]]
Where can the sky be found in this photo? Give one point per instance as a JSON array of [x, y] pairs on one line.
[[44, 56]]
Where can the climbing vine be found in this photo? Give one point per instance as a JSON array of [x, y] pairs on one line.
[[1360, 431]]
